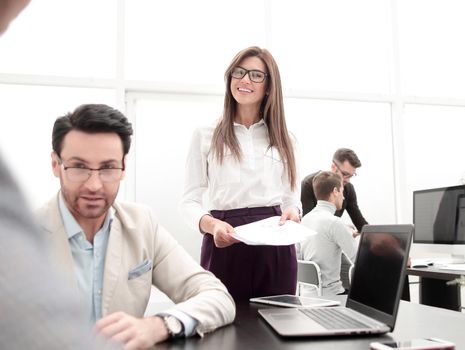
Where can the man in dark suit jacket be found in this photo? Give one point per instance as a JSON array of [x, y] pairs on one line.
[[345, 162]]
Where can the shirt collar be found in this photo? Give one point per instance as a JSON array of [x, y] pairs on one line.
[[325, 205], [260, 122], [72, 228]]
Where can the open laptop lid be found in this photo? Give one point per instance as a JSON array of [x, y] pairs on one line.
[[379, 271]]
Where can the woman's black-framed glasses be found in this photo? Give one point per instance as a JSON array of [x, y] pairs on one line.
[[82, 174], [255, 75]]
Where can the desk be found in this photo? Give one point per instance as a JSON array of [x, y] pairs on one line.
[[433, 288], [250, 331]]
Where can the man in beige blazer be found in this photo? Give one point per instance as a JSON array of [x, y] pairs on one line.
[[115, 251]]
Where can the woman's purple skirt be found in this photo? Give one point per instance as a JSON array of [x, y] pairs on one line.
[[250, 271]]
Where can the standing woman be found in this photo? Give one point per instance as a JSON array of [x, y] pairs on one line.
[[246, 164]]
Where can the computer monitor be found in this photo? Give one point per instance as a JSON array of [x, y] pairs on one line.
[[439, 219]]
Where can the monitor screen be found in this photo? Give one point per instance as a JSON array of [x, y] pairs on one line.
[[439, 215]]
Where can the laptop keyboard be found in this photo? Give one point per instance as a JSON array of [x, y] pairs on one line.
[[332, 318]]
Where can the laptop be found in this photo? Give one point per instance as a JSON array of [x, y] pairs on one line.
[[374, 295]]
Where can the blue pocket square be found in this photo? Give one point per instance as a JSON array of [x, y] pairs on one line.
[[140, 269]]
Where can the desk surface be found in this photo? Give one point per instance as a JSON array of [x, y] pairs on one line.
[[250, 331], [435, 272]]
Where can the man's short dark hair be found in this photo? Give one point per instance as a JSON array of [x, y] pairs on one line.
[[324, 183], [343, 154], [92, 118]]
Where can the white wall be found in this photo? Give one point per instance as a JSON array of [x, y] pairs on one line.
[[323, 126], [163, 127]]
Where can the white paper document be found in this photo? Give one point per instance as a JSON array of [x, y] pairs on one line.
[[457, 267], [269, 232]]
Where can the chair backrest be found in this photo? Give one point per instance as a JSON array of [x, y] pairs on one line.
[[346, 271], [351, 273], [308, 276]]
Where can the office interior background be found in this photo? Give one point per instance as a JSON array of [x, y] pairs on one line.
[[383, 77]]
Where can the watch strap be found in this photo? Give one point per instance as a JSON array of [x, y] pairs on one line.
[[171, 323]]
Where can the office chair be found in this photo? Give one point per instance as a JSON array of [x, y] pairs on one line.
[[308, 275], [346, 271]]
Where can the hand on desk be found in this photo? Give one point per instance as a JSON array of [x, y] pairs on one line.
[[132, 332]]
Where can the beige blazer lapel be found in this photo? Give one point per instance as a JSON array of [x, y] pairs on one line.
[[112, 264], [52, 224]]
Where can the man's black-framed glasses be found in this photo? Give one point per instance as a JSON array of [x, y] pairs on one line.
[[81, 173], [255, 75], [344, 174]]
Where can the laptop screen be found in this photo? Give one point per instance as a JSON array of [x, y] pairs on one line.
[[380, 270]]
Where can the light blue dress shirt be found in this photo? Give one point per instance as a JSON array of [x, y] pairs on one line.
[[89, 260]]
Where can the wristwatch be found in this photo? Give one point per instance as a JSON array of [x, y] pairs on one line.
[[174, 326]]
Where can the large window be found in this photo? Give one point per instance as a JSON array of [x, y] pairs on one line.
[[384, 77], [181, 41], [434, 149], [336, 45], [432, 58], [27, 116], [62, 38], [323, 126]]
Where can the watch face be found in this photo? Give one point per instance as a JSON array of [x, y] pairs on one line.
[[173, 324]]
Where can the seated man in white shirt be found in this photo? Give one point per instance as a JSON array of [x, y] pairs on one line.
[[333, 235], [115, 251]]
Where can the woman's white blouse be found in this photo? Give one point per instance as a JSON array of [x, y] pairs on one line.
[[258, 180]]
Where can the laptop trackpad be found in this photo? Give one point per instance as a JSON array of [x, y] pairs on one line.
[[291, 322]]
